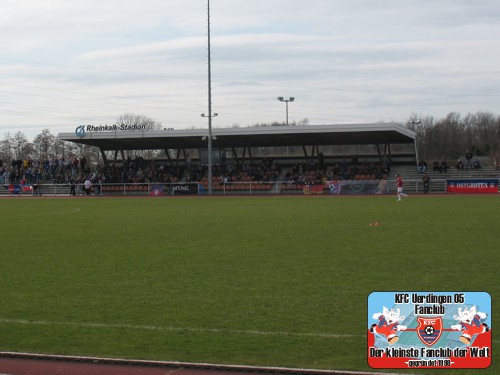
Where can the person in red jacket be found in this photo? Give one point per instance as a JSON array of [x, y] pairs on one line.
[[399, 184]]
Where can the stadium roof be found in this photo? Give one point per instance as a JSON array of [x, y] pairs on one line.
[[265, 136]]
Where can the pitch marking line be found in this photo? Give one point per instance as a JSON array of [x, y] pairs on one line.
[[66, 211], [177, 329]]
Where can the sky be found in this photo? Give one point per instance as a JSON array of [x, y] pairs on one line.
[[65, 63]]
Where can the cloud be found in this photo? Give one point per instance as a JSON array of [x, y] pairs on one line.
[[344, 61]]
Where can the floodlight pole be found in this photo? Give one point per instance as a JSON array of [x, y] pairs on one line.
[[416, 123], [209, 105], [282, 99], [209, 142]]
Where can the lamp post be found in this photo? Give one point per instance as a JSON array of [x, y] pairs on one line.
[[209, 153], [210, 115], [416, 123], [282, 99]]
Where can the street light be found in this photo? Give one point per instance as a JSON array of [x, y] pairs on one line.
[[210, 114], [416, 123], [209, 143], [282, 99]]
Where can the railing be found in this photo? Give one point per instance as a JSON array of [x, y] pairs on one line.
[[228, 188], [417, 186]]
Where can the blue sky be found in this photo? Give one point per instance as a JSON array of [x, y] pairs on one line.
[[65, 63]]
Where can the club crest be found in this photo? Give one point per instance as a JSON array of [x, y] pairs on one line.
[[429, 329]]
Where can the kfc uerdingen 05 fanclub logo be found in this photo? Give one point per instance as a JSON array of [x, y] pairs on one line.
[[429, 330]]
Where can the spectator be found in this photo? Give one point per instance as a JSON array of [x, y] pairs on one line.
[[427, 181], [468, 159], [34, 189], [72, 187], [6, 177], [477, 164], [443, 166], [422, 166], [88, 186], [460, 164], [97, 186]]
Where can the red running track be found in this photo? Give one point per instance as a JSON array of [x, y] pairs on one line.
[[37, 364]]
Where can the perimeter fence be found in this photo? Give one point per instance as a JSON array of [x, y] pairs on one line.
[[347, 187]]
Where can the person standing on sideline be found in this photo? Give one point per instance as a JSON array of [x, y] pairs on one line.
[[427, 181], [87, 185], [399, 184], [72, 187]]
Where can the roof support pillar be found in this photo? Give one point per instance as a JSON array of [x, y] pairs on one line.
[[104, 158]]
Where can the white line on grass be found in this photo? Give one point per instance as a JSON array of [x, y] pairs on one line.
[[176, 329], [52, 212], [181, 329]]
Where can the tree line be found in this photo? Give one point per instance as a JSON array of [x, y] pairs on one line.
[[451, 136]]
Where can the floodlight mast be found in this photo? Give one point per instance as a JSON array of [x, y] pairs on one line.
[[209, 139], [210, 115], [416, 123], [282, 99]]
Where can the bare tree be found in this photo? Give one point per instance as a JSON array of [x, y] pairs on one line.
[[451, 136], [21, 147], [303, 122], [484, 134], [131, 119], [6, 148], [44, 143]]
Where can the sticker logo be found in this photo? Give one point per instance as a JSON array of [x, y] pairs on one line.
[[429, 330]]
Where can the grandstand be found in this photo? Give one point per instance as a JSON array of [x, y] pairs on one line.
[[261, 160], [243, 145]]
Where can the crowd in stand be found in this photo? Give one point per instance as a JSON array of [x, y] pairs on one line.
[[266, 170], [76, 170], [464, 162], [26, 171], [442, 166], [319, 171], [140, 170], [269, 170]]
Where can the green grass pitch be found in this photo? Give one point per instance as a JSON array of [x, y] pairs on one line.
[[279, 281]]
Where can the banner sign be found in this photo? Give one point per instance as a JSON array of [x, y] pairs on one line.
[[489, 185], [346, 187], [313, 188], [429, 330], [18, 188], [187, 188], [156, 190], [357, 187]]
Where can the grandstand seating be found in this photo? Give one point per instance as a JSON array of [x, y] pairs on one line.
[[243, 182], [414, 184]]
